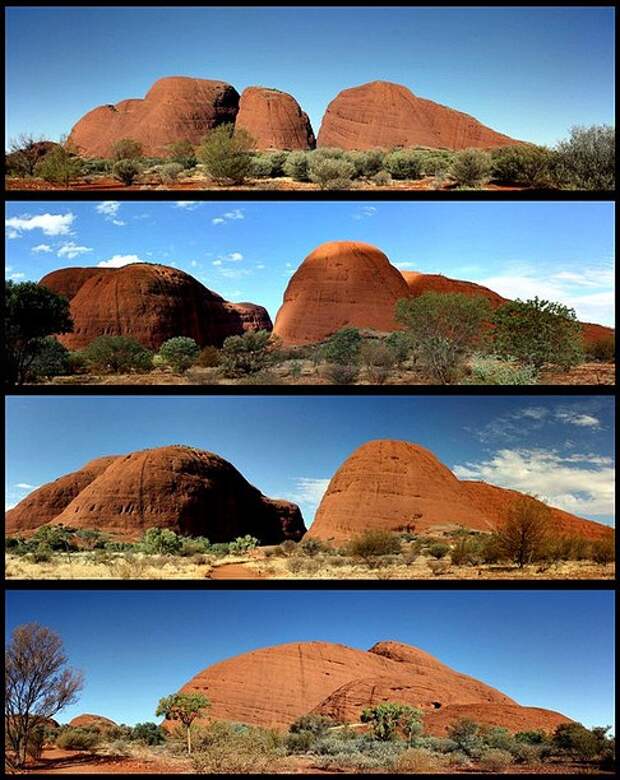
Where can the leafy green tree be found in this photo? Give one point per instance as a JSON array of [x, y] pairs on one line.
[[31, 313], [116, 354], [160, 541], [226, 154], [576, 739], [127, 149], [183, 707], [247, 354], [444, 329], [180, 352], [587, 160], [527, 166], [52, 359], [536, 332], [343, 347], [389, 717], [147, 733]]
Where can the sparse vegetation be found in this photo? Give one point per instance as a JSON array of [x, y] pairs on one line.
[[126, 171], [180, 352], [225, 154], [113, 354]]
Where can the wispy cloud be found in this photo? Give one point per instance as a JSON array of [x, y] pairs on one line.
[[49, 224], [118, 261], [229, 216], [308, 491], [109, 209], [71, 250], [25, 486], [188, 205], [41, 248], [364, 212]]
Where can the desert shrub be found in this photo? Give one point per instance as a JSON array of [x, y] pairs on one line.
[[491, 370], [60, 166], [439, 567], [527, 166], [377, 354], [337, 374], [538, 332], [466, 551], [147, 733], [169, 172], [179, 352], [491, 549], [243, 544], [209, 357], [330, 173], [367, 163], [457, 759], [497, 737], [288, 547], [438, 550], [418, 760], [51, 359], [25, 152], [311, 547], [126, 149], [225, 748], [466, 734], [444, 329], [587, 160], [295, 565], [343, 347], [160, 541], [603, 349], [388, 719], [576, 740], [226, 155], [36, 739], [194, 545], [220, 549], [96, 167], [382, 179], [373, 543], [78, 739], [42, 553], [116, 354], [399, 344], [534, 737], [183, 153], [471, 167], [436, 163], [317, 725], [524, 753], [56, 537], [523, 535], [495, 760], [126, 171], [603, 550], [296, 166], [262, 166], [247, 354], [300, 742], [404, 164], [343, 761]]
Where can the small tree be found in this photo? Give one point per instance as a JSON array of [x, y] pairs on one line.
[[522, 536], [536, 332], [38, 684], [471, 167], [226, 154], [184, 707], [147, 733], [31, 313], [247, 354], [126, 171], [52, 359], [61, 165], [343, 347], [183, 152], [25, 152], [116, 354], [528, 166], [444, 329], [126, 149], [373, 543], [389, 717], [180, 352], [587, 160], [576, 739], [466, 734]]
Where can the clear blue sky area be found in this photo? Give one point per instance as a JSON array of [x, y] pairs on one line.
[[531, 73], [248, 251], [290, 447], [543, 648]]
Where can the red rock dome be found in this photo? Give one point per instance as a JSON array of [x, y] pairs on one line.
[[340, 284], [385, 115], [98, 722], [274, 119]]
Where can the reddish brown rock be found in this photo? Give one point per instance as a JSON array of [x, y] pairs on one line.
[[396, 486], [187, 490], [273, 686], [48, 501], [512, 717], [98, 722], [385, 115], [175, 109], [274, 119], [340, 284], [149, 303]]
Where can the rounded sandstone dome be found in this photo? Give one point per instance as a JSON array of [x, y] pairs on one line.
[[274, 119], [340, 284], [420, 283]]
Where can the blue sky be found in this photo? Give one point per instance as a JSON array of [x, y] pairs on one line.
[[529, 72], [247, 250], [290, 447], [551, 649]]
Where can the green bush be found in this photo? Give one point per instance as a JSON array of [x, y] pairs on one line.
[[78, 739], [389, 718], [491, 370], [404, 164], [330, 173], [117, 354], [471, 167], [160, 541], [367, 163], [179, 352], [126, 171], [243, 544], [126, 149], [296, 166], [42, 553], [466, 551], [195, 545], [526, 166], [536, 332], [60, 166], [51, 359], [56, 537], [317, 725], [169, 172], [262, 166], [183, 153], [436, 162], [587, 160], [444, 329], [147, 734], [603, 349], [382, 179], [577, 740], [438, 550], [247, 354], [343, 347], [400, 345], [373, 543], [466, 734], [224, 748], [226, 155]]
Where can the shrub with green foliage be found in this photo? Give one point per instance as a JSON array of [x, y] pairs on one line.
[[603, 550], [296, 166], [338, 374], [52, 359], [382, 179], [227, 748], [536, 332], [31, 314], [226, 154], [209, 357], [127, 149], [126, 171], [471, 167], [169, 172], [577, 740], [492, 370], [247, 354], [60, 166], [388, 719], [343, 347], [373, 543], [78, 739], [367, 163], [180, 352], [404, 164], [317, 725], [400, 345], [495, 760], [444, 329], [587, 160], [243, 544], [183, 153], [438, 550], [160, 541], [117, 354], [147, 734], [466, 734], [329, 172], [56, 537], [523, 165]]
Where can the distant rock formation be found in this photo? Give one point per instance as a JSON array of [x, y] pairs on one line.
[[274, 119], [274, 686], [339, 284], [149, 303], [397, 486], [187, 490], [88, 721], [381, 114]]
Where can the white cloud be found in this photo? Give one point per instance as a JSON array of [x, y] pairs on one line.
[[229, 216], [108, 208], [534, 412], [16, 276], [584, 489], [234, 257], [41, 248], [575, 418], [50, 224], [118, 261], [405, 265], [218, 221], [260, 266], [364, 212], [216, 262], [188, 205], [309, 491], [71, 250], [25, 486]]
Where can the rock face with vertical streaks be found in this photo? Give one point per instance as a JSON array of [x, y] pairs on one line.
[[274, 119]]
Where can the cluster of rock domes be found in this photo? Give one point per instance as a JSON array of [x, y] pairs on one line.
[[377, 114], [274, 686], [385, 484]]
